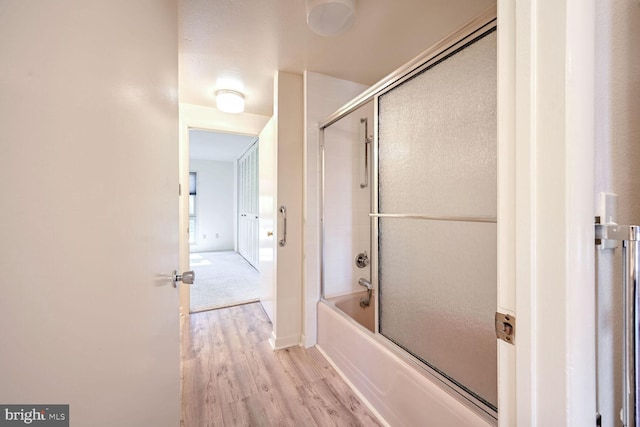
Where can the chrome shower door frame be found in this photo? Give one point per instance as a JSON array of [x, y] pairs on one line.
[[629, 235], [477, 28]]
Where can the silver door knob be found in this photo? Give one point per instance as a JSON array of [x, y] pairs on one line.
[[187, 278]]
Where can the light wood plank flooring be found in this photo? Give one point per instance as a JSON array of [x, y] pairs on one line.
[[231, 377]]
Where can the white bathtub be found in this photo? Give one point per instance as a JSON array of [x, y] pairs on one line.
[[395, 389], [350, 305]]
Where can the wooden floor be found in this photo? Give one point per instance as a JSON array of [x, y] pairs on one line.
[[232, 377]]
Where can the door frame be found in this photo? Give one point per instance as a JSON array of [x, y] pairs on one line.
[[545, 235], [210, 119], [254, 145]]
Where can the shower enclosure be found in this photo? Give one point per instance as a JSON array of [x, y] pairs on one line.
[[409, 214], [347, 204]]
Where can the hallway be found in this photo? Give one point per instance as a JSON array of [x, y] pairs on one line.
[[231, 377]]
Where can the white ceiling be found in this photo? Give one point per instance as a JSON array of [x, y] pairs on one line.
[[224, 147], [240, 44]]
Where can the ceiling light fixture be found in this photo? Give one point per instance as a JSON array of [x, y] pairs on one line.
[[229, 101], [330, 17]]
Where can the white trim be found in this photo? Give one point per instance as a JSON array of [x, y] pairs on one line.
[[580, 134], [506, 207], [523, 233], [552, 208], [279, 343]]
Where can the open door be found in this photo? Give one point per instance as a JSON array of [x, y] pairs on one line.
[[267, 222], [90, 234]]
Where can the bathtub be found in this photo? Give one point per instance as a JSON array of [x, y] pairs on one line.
[[350, 305], [394, 387]]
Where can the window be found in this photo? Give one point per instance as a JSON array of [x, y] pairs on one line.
[[192, 207]]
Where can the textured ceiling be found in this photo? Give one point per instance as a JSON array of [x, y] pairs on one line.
[[227, 44]]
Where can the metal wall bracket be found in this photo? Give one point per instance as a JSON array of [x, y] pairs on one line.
[[505, 327], [628, 233]]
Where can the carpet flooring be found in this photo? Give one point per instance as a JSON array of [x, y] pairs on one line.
[[223, 279]]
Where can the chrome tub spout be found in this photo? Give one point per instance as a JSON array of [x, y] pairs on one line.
[[365, 301], [364, 282]]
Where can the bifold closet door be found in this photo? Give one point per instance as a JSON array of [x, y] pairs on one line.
[[248, 205]]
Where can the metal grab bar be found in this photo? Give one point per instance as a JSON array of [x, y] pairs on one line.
[[367, 141], [283, 241], [630, 237], [630, 298]]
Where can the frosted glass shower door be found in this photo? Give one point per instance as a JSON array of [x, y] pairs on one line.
[[437, 256]]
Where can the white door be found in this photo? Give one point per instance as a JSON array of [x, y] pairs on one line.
[[267, 222], [88, 177], [248, 205]]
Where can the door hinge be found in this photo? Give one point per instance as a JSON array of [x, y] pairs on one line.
[[598, 420], [505, 327], [179, 189]]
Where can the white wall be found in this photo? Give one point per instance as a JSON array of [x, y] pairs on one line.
[[215, 206], [323, 95], [268, 233], [617, 159], [288, 115], [88, 177], [347, 226]]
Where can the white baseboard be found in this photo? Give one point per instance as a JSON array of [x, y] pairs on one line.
[[278, 343]]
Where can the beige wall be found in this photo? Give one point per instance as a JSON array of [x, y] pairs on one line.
[[617, 159], [215, 205]]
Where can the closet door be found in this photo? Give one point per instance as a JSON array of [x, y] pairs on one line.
[[241, 208], [248, 205]]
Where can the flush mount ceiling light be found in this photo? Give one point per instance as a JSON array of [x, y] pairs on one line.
[[330, 17], [229, 101]]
